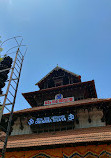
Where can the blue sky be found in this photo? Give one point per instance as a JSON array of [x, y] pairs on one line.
[[75, 34]]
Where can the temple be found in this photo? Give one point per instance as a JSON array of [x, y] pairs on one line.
[[66, 120]]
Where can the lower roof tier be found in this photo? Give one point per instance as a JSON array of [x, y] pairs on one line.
[[96, 134]]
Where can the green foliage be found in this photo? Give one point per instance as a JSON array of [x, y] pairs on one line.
[[1, 59], [1, 49]]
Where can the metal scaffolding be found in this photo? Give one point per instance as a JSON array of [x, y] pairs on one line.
[[9, 97]]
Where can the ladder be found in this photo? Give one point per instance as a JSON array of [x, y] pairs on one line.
[[11, 92]]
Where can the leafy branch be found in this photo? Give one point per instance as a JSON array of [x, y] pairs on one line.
[[1, 49]]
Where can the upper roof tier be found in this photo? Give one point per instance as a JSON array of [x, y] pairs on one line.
[[60, 82], [57, 77], [77, 90]]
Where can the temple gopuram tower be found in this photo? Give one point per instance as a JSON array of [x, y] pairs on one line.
[[66, 120]]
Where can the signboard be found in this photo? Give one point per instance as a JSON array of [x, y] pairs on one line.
[[51, 119], [59, 99]]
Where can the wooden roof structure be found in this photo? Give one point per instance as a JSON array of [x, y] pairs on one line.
[[87, 102], [56, 69], [31, 99], [84, 135]]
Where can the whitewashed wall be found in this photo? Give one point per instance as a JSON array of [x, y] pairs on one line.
[[95, 116], [83, 116], [18, 131]]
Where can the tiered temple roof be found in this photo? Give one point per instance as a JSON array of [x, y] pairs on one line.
[[85, 102], [62, 81]]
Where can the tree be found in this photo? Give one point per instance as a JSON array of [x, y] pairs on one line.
[[1, 49]]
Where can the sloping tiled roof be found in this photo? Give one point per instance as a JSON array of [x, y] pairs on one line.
[[30, 96], [62, 86], [94, 134], [57, 68], [2, 134], [62, 105]]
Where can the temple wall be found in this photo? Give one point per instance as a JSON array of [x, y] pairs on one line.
[[18, 131], [83, 115], [95, 115], [90, 151]]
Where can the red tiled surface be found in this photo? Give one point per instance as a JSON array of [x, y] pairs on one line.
[[70, 104], [2, 134], [89, 84], [72, 136], [68, 85]]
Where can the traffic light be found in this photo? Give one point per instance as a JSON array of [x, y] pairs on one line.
[[4, 64]]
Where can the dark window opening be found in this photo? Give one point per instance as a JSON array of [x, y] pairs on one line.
[[65, 80], [58, 82], [108, 116], [63, 126], [79, 98]]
